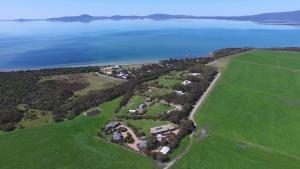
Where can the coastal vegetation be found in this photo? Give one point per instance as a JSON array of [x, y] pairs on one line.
[[25, 88]]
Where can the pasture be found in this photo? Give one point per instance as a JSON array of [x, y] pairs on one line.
[[68, 145], [252, 115]]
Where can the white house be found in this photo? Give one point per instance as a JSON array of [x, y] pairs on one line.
[[180, 93], [186, 82]]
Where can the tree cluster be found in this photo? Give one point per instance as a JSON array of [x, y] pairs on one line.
[[24, 87], [229, 51]]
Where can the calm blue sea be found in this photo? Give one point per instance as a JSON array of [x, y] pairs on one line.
[[26, 45]]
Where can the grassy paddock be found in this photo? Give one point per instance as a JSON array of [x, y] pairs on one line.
[[252, 115], [95, 82], [158, 108], [68, 145], [134, 102]]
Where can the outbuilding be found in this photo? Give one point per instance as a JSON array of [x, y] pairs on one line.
[[164, 150], [186, 82]]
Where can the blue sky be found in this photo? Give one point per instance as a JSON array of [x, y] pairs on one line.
[[10, 9]]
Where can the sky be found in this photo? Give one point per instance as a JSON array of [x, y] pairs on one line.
[[35, 9]]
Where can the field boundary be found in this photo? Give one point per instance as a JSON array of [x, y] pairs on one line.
[[191, 117], [265, 65], [258, 146]]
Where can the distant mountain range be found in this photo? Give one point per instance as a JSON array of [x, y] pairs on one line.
[[290, 18]]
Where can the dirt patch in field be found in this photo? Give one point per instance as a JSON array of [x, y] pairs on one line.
[[93, 113], [290, 100], [70, 86], [203, 134]]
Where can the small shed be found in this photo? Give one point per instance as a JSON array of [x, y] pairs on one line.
[[186, 82], [195, 74], [132, 111], [164, 150], [180, 93]]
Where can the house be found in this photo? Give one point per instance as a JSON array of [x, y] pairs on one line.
[[117, 136], [123, 75], [142, 145], [180, 93], [132, 111], [163, 129], [148, 99], [164, 150], [186, 82], [142, 106], [111, 125], [107, 70], [116, 67]]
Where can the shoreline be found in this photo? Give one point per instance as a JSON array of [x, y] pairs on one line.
[[75, 65]]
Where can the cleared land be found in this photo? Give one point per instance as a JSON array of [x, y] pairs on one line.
[[157, 108], [68, 145], [252, 116], [95, 82]]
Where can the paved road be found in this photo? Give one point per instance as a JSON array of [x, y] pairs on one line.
[[192, 116]]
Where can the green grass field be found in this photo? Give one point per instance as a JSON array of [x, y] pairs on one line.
[[155, 92], [68, 145], [252, 116], [168, 81], [134, 102], [158, 108]]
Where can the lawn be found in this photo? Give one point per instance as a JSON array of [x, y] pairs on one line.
[[155, 92], [68, 145], [168, 81], [158, 108], [145, 125], [252, 115], [134, 102]]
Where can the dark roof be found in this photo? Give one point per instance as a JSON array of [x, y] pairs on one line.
[[142, 145], [112, 125], [117, 136], [142, 106]]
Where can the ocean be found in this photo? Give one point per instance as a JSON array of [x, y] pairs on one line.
[[42, 44]]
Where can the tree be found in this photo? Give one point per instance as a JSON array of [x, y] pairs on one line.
[[152, 143], [163, 157]]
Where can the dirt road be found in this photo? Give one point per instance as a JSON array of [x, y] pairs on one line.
[[191, 117]]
